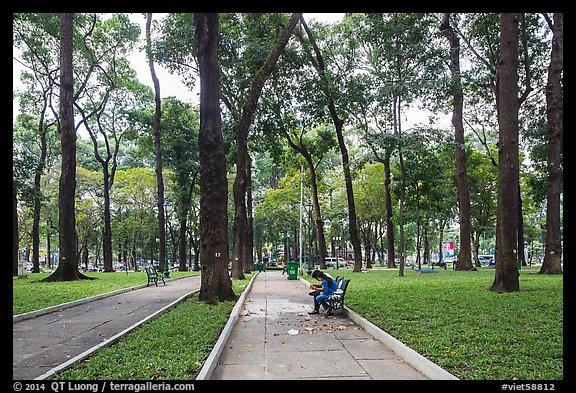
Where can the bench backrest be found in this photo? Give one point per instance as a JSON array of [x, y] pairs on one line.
[[151, 270], [342, 285]]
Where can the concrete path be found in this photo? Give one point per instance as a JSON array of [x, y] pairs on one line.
[[47, 343], [260, 344]]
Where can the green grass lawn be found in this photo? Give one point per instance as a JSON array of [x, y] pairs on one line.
[[453, 319]]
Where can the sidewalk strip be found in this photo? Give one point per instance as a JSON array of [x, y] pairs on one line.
[[212, 360], [113, 339], [72, 303], [425, 366]]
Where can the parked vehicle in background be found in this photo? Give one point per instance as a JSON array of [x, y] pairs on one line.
[[90, 268], [486, 260], [331, 263], [29, 267]]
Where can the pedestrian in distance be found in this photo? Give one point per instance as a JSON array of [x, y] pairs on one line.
[[322, 291]]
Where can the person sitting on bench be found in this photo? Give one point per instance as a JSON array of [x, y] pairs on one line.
[[322, 291]]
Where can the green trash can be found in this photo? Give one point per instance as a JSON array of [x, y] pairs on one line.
[[292, 270], [259, 267]]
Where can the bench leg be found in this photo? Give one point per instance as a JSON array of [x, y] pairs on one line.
[[155, 279], [337, 305]]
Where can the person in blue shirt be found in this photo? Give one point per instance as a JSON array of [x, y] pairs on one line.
[[322, 291]]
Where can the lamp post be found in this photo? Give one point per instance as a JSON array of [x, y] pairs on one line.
[[167, 205], [287, 253], [301, 207], [337, 238]]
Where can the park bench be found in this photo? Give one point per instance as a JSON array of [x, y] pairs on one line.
[[153, 275], [336, 300]]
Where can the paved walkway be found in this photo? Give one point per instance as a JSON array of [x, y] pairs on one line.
[[261, 347], [44, 343], [255, 343]]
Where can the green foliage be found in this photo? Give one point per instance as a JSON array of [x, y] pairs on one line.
[[173, 45], [368, 186], [377, 65]]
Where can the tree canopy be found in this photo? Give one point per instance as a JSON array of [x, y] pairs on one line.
[[336, 99]]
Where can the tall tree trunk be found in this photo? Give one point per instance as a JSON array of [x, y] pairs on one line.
[[240, 216], [215, 281], [241, 132], [464, 255], [555, 111], [193, 245], [402, 198], [321, 239], [352, 226], [67, 269], [107, 232], [182, 245], [440, 254], [521, 256], [426, 245], [338, 125], [37, 192], [248, 248], [48, 249], [184, 206], [401, 213], [506, 270], [389, 222], [476, 246], [157, 151], [15, 234], [368, 246], [527, 90]]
